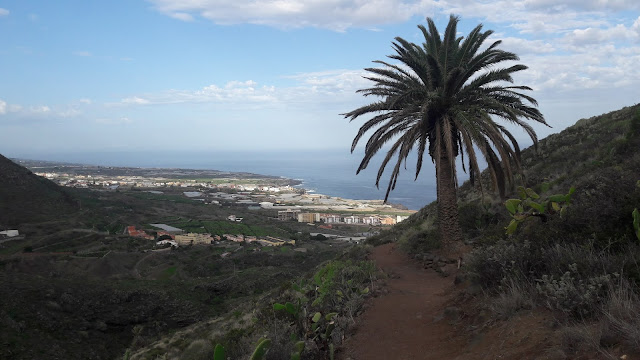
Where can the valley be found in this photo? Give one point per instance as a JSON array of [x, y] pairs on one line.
[[77, 285]]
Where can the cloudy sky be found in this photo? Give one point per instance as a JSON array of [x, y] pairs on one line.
[[79, 75]]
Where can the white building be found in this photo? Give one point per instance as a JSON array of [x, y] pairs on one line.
[[352, 219], [285, 215], [400, 218], [371, 220], [10, 233], [162, 242], [330, 219]]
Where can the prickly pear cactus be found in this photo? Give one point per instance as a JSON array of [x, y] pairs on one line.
[[218, 353], [261, 349], [531, 204]]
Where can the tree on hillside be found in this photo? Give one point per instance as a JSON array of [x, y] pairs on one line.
[[444, 97]]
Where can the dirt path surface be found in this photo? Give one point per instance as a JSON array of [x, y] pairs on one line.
[[406, 322], [421, 316]]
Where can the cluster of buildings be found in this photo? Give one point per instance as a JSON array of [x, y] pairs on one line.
[[114, 181], [264, 241], [177, 238], [308, 217], [243, 193]]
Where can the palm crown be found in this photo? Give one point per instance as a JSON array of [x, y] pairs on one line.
[[444, 94]]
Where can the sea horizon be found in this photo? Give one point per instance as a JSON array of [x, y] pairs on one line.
[[327, 172]]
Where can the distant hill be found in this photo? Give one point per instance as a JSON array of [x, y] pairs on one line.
[[26, 197]]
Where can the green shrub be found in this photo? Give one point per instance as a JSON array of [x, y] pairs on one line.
[[569, 278], [528, 260], [495, 265], [573, 294], [317, 308], [475, 217], [416, 240]]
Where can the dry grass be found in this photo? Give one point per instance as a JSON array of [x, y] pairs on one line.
[[621, 315], [581, 339], [515, 296]]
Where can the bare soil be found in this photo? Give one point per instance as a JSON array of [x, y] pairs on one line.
[[422, 315]]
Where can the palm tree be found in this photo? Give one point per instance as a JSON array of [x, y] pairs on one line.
[[444, 97]]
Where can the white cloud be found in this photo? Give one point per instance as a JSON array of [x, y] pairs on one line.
[[42, 109], [70, 112], [4, 12], [617, 33], [330, 83], [523, 46], [310, 89], [332, 14], [232, 92], [85, 101], [182, 16], [82, 53], [536, 17], [583, 4], [135, 100], [38, 112]]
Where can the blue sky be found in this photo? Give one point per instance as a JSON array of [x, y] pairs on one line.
[[230, 75]]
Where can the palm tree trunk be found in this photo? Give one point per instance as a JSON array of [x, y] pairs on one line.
[[450, 230]]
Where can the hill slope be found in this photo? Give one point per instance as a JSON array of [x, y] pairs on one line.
[[26, 197], [599, 156], [578, 266]]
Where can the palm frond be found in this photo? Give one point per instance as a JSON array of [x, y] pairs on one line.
[[445, 97]]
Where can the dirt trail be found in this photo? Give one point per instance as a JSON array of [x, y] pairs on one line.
[[407, 322], [422, 317]]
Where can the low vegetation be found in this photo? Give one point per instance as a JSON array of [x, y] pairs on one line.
[[564, 241], [75, 286], [305, 318]]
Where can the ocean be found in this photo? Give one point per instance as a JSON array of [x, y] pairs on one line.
[[328, 172]]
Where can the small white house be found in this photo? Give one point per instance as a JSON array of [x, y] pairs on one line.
[[10, 233]]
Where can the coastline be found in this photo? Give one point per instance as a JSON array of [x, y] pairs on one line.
[[286, 192]]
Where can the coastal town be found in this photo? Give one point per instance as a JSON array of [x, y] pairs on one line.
[[218, 188], [232, 196]]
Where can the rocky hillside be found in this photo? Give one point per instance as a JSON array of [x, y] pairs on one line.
[[26, 197]]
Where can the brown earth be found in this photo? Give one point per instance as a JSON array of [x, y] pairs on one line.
[[422, 315]]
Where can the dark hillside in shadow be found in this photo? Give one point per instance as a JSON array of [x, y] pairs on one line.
[[26, 197]]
